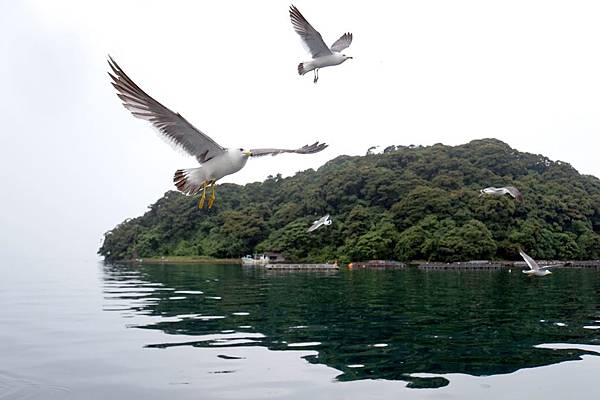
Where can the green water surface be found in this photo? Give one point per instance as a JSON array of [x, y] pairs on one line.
[[368, 324]]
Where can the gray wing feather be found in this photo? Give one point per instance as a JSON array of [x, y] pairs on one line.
[[318, 223], [514, 192], [308, 149], [310, 36], [315, 225], [343, 42], [171, 125], [530, 261]]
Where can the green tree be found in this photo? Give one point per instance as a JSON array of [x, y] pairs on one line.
[[408, 202]]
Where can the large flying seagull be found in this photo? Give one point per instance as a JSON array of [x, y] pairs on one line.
[[215, 160], [534, 268], [510, 190], [323, 221], [322, 55]]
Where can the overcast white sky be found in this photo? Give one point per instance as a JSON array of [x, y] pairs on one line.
[[74, 162]]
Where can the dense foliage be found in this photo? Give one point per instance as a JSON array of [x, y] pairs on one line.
[[407, 203]]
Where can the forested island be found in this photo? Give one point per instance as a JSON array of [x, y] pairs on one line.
[[406, 203]]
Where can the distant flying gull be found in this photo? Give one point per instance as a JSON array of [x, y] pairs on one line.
[[322, 55], [215, 161], [511, 190], [319, 223], [534, 268]]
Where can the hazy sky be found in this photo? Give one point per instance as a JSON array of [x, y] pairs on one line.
[[74, 162]]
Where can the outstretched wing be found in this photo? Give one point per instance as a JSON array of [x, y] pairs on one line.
[[308, 149], [344, 41], [514, 192], [319, 223], [171, 125], [310, 37], [530, 261], [316, 225]]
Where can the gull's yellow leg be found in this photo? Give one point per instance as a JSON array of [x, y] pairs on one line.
[[211, 200], [203, 197]]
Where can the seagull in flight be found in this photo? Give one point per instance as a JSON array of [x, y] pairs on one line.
[[215, 161], [319, 223], [534, 268], [493, 191], [323, 56]]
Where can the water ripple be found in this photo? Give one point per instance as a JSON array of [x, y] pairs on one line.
[[409, 325]]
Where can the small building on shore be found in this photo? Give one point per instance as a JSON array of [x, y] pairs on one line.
[[275, 257]]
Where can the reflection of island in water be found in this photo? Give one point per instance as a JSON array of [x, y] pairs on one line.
[[369, 324]]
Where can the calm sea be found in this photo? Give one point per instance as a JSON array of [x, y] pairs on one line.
[[86, 330]]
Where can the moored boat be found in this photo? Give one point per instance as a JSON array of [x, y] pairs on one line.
[[258, 259]]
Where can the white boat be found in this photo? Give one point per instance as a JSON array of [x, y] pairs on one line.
[[258, 259]]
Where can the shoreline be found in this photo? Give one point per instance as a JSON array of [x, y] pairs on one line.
[[502, 264], [181, 260], [462, 265]]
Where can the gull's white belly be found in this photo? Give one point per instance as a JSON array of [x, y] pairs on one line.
[[493, 191], [223, 165], [535, 273], [327, 61]]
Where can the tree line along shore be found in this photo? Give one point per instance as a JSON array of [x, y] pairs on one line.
[[405, 203], [384, 264]]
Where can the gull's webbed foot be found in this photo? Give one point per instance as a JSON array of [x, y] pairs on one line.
[[203, 197], [316, 76], [211, 200]]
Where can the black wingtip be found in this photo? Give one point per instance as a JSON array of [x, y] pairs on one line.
[[111, 62], [315, 147], [295, 13], [114, 66]]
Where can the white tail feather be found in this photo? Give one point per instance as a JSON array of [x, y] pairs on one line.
[[305, 67], [189, 181]]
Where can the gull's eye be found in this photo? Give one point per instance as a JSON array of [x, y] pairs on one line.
[[241, 149]]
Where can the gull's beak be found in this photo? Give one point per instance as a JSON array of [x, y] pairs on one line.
[[350, 58], [247, 153]]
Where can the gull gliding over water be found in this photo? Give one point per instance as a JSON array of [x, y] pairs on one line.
[[322, 55], [215, 160], [319, 223], [534, 268], [493, 191]]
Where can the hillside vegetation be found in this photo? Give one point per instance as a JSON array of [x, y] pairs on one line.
[[407, 203]]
